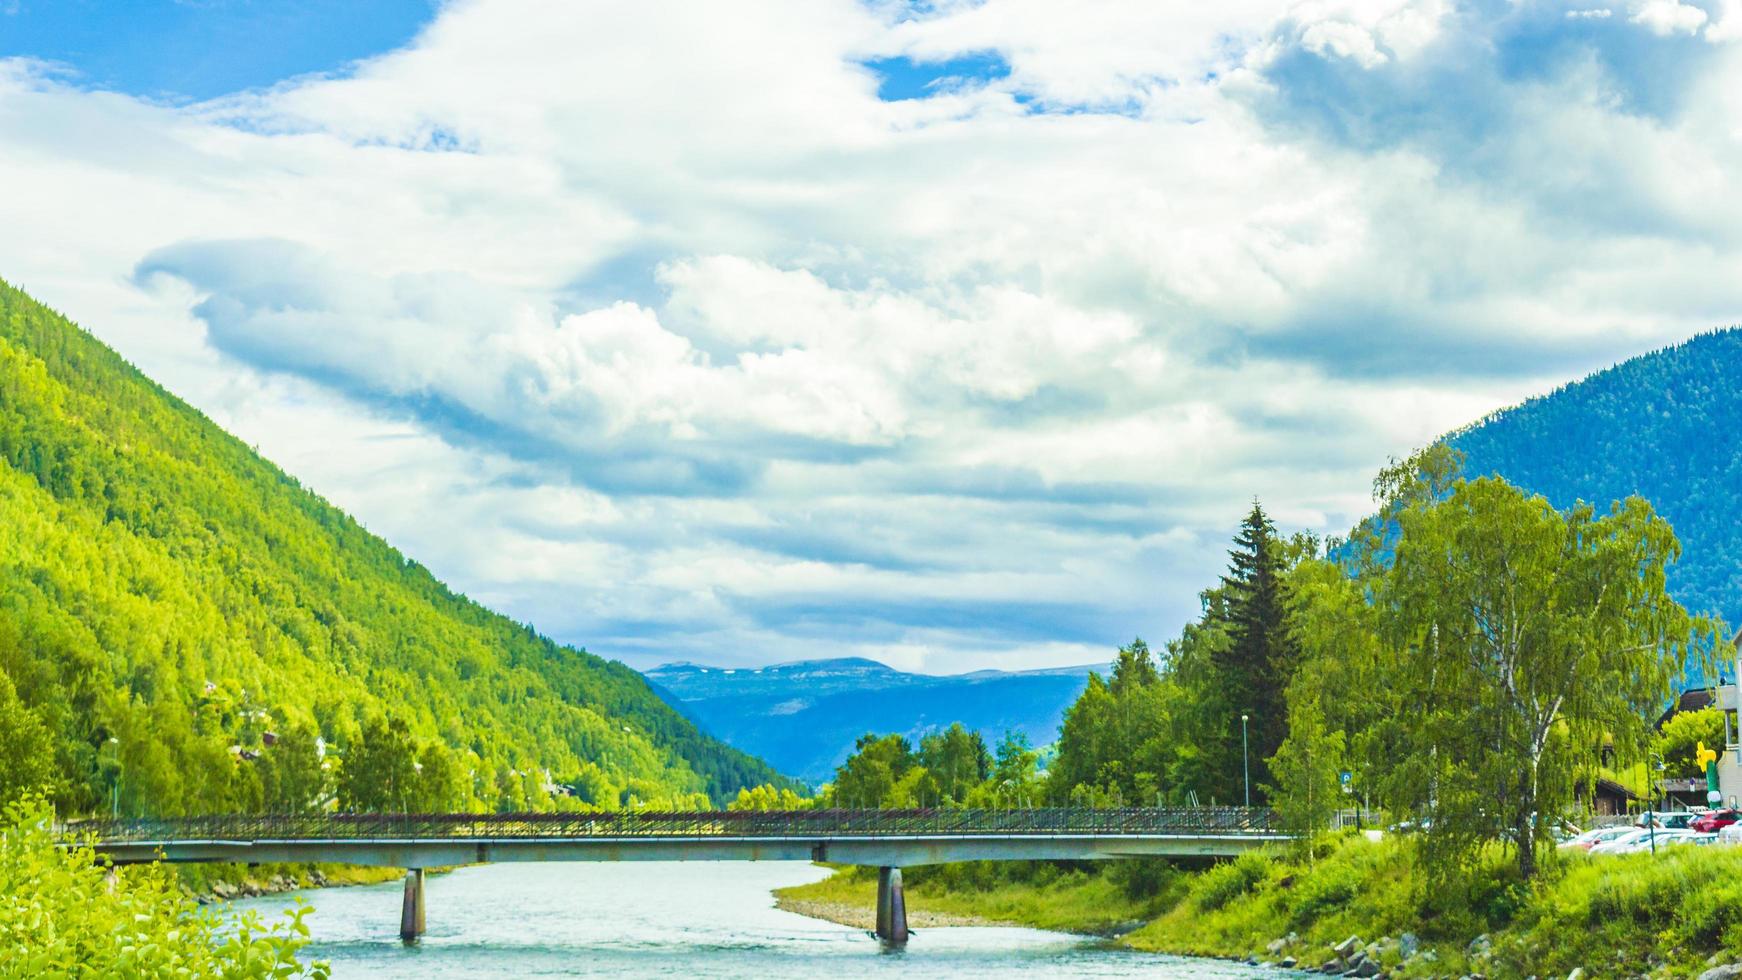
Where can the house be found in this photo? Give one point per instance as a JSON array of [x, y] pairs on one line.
[[1608, 798]]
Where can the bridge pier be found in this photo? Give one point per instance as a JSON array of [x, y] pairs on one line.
[[411, 912], [891, 907]]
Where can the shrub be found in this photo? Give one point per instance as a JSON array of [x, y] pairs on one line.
[[1230, 880], [61, 915]]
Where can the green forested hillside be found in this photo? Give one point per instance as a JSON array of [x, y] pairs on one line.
[[1665, 425], [168, 599]]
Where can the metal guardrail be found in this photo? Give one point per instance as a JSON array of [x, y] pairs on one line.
[[1143, 821]]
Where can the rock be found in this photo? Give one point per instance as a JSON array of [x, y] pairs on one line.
[[1729, 971], [1480, 946], [1577, 974], [1287, 963], [224, 890], [1363, 967], [1331, 966], [1408, 944], [1276, 946], [1346, 947], [1293, 937]]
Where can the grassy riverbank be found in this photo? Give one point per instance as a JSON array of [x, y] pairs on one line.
[[1669, 915], [1044, 897]]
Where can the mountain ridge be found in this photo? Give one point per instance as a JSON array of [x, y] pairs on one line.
[[166, 594], [804, 715]]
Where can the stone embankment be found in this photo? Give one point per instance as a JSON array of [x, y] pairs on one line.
[[1390, 957]]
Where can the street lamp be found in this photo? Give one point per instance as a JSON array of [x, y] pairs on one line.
[[1245, 760]]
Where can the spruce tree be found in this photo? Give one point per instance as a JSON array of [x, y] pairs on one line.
[[1255, 668]]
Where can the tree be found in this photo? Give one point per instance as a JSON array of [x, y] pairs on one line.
[[956, 760], [1676, 742], [1015, 780], [1118, 744], [1262, 651], [379, 773], [1517, 639], [26, 753], [441, 783], [768, 797], [869, 776], [292, 777], [1307, 768]]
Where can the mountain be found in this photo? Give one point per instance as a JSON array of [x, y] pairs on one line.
[[1665, 425], [803, 717], [170, 603]]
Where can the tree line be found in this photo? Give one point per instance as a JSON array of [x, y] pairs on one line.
[[1471, 657]]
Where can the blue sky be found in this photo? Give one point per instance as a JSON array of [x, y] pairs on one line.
[[201, 49], [951, 334]]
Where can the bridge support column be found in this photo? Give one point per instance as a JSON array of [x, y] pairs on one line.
[[891, 907], [411, 913]]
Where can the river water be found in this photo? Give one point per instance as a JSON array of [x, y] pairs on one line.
[[673, 920]]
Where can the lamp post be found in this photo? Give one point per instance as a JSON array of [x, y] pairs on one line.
[[1245, 760]]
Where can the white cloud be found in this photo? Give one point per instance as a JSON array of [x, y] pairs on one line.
[[732, 360], [1667, 17]]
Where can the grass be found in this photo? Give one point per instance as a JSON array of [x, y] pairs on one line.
[[1059, 897], [1664, 915]]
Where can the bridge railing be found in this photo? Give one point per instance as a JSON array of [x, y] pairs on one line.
[[836, 823]]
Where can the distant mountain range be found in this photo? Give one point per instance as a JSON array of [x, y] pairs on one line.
[[803, 717]]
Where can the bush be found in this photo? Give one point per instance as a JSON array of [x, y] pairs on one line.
[[1230, 880], [61, 915]]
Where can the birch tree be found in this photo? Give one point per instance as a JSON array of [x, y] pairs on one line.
[[1521, 638]]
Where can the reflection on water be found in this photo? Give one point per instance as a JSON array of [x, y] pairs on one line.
[[646, 919]]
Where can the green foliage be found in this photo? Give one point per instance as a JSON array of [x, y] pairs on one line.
[[1015, 780], [167, 598], [1675, 743], [1238, 660], [956, 762], [1518, 640], [871, 774], [1119, 737], [765, 798], [1229, 880], [26, 753], [1041, 895], [59, 916], [1308, 792]]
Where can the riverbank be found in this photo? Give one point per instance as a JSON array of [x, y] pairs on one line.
[[1366, 906], [208, 883], [1055, 900]]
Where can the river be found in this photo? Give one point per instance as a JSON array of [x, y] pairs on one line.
[[672, 920]]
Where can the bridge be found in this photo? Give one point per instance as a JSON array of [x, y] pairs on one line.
[[885, 839]]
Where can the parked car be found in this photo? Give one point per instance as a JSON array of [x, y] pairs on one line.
[[1642, 839], [1713, 821], [1673, 819], [1590, 838], [1689, 839]]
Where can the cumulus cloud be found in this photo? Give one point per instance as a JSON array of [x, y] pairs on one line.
[[1668, 17], [655, 325]]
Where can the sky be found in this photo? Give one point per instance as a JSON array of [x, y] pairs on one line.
[[957, 334]]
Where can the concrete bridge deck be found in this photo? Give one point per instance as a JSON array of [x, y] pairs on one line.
[[886, 839]]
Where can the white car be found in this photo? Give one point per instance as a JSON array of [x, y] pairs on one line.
[[1637, 840], [1591, 838]]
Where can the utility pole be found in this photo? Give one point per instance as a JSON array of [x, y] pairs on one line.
[[1245, 760]]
